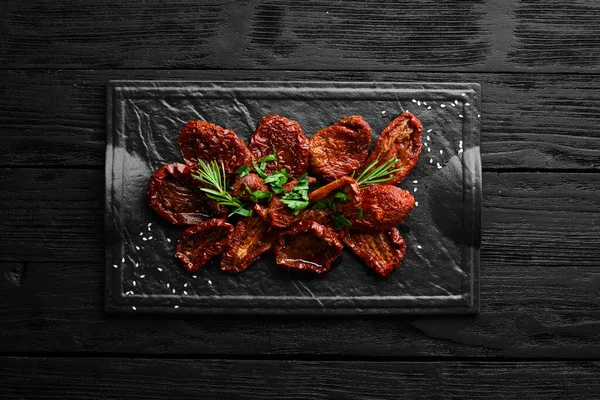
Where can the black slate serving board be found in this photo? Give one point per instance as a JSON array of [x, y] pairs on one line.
[[440, 271]]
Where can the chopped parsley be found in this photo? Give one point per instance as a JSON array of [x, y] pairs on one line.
[[297, 198]]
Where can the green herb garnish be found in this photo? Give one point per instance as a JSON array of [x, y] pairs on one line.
[[360, 213], [211, 175], [277, 180], [342, 221], [261, 164], [297, 198], [258, 195], [378, 173], [243, 170]]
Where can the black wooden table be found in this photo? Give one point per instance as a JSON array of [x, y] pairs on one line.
[[538, 333]]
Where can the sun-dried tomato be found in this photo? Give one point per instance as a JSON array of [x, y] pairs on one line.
[[340, 149], [176, 196], [308, 246], [286, 138], [201, 242], [384, 207], [251, 238], [281, 216], [251, 181], [383, 252], [208, 142], [400, 139], [349, 207]]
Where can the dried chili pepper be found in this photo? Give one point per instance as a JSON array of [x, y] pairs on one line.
[[401, 139], [251, 238], [383, 208], [175, 196], [208, 142], [284, 137], [340, 149], [383, 252], [308, 246], [201, 242]]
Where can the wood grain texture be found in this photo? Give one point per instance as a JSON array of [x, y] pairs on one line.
[[498, 35], [540, 122], [101, 378], [540, 282]]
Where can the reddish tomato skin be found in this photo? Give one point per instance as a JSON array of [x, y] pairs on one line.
[[349, 187], [281, 216], [400, 139], [201, 242], [175, 196], [383, 252], [251, 238], [340, 149], [285, 136], [250, 181], [308, 246], [384, 207], [208, 142]]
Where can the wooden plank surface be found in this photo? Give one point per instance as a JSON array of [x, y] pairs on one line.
[[540, 282], [490, 35], [101, 378], [533, 121]]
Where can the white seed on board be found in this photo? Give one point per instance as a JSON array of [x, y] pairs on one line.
[[429, 107], [134, 283], [429, 149], [460, 115], [441, 151], [142, 276], [428, 138], [168, 240], [419, 246], [115, 266], [168, 285], [415, 189], [185, 293], [431, 161], [443, 105], [133, 308], [415, 181], [175, 306], [160, 269], [123, 259], [383, 112], [429, 131], [209, 282], [416, 204], [137, 247], [150, 238], [419, 103], [413, 100], [144, 239]]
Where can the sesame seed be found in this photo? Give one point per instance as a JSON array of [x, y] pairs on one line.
[[443, 105], [144, 239], [439, 166], [137, 247], [168, 285], [133, 308], [478, 115], [415, 181], [383, 112], [134, 283], [441, 151], [425, 144], [141, 233], [419, 246], [413, 100], [123, 259], [428, 149], [467, 104], [168, 240], [173, 291], [150, 238], [460, 142], [149, 229], [149, 223], [456, 102], [137, 265], [429, 107], [194, 276], [463, 94], [209, 282], [175, 306], [428, 138], [431, 161], [185, 293], [185, 285], [415, 189], [416, 203], [115, 266], [142, 276], [429, 131], [460, 115], [453, 105], [419, 103], [424, 103], [460, 151], [160, 269]]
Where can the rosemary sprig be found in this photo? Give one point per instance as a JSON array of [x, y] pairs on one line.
[[211, 175], [378, 173]]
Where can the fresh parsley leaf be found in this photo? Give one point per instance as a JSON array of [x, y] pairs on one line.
[[341, 197], [295, 204], [261, 195], [297, 198], [277, 189], [321, 204], [276, 179], [342, 221], [270, 157], [360, 213], [243, 170], [260, 171], [241, 211]]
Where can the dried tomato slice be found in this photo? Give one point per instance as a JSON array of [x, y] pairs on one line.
[[400, 139], [383, 252], [251, 238], [201, 242], [282, 217], [384, 207], [287, 139], [206, 141], [175, 196], [250, 181], [340, 149], [349, 187], [308, 246]]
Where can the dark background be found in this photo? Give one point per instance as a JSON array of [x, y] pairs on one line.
[[538, 334]]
